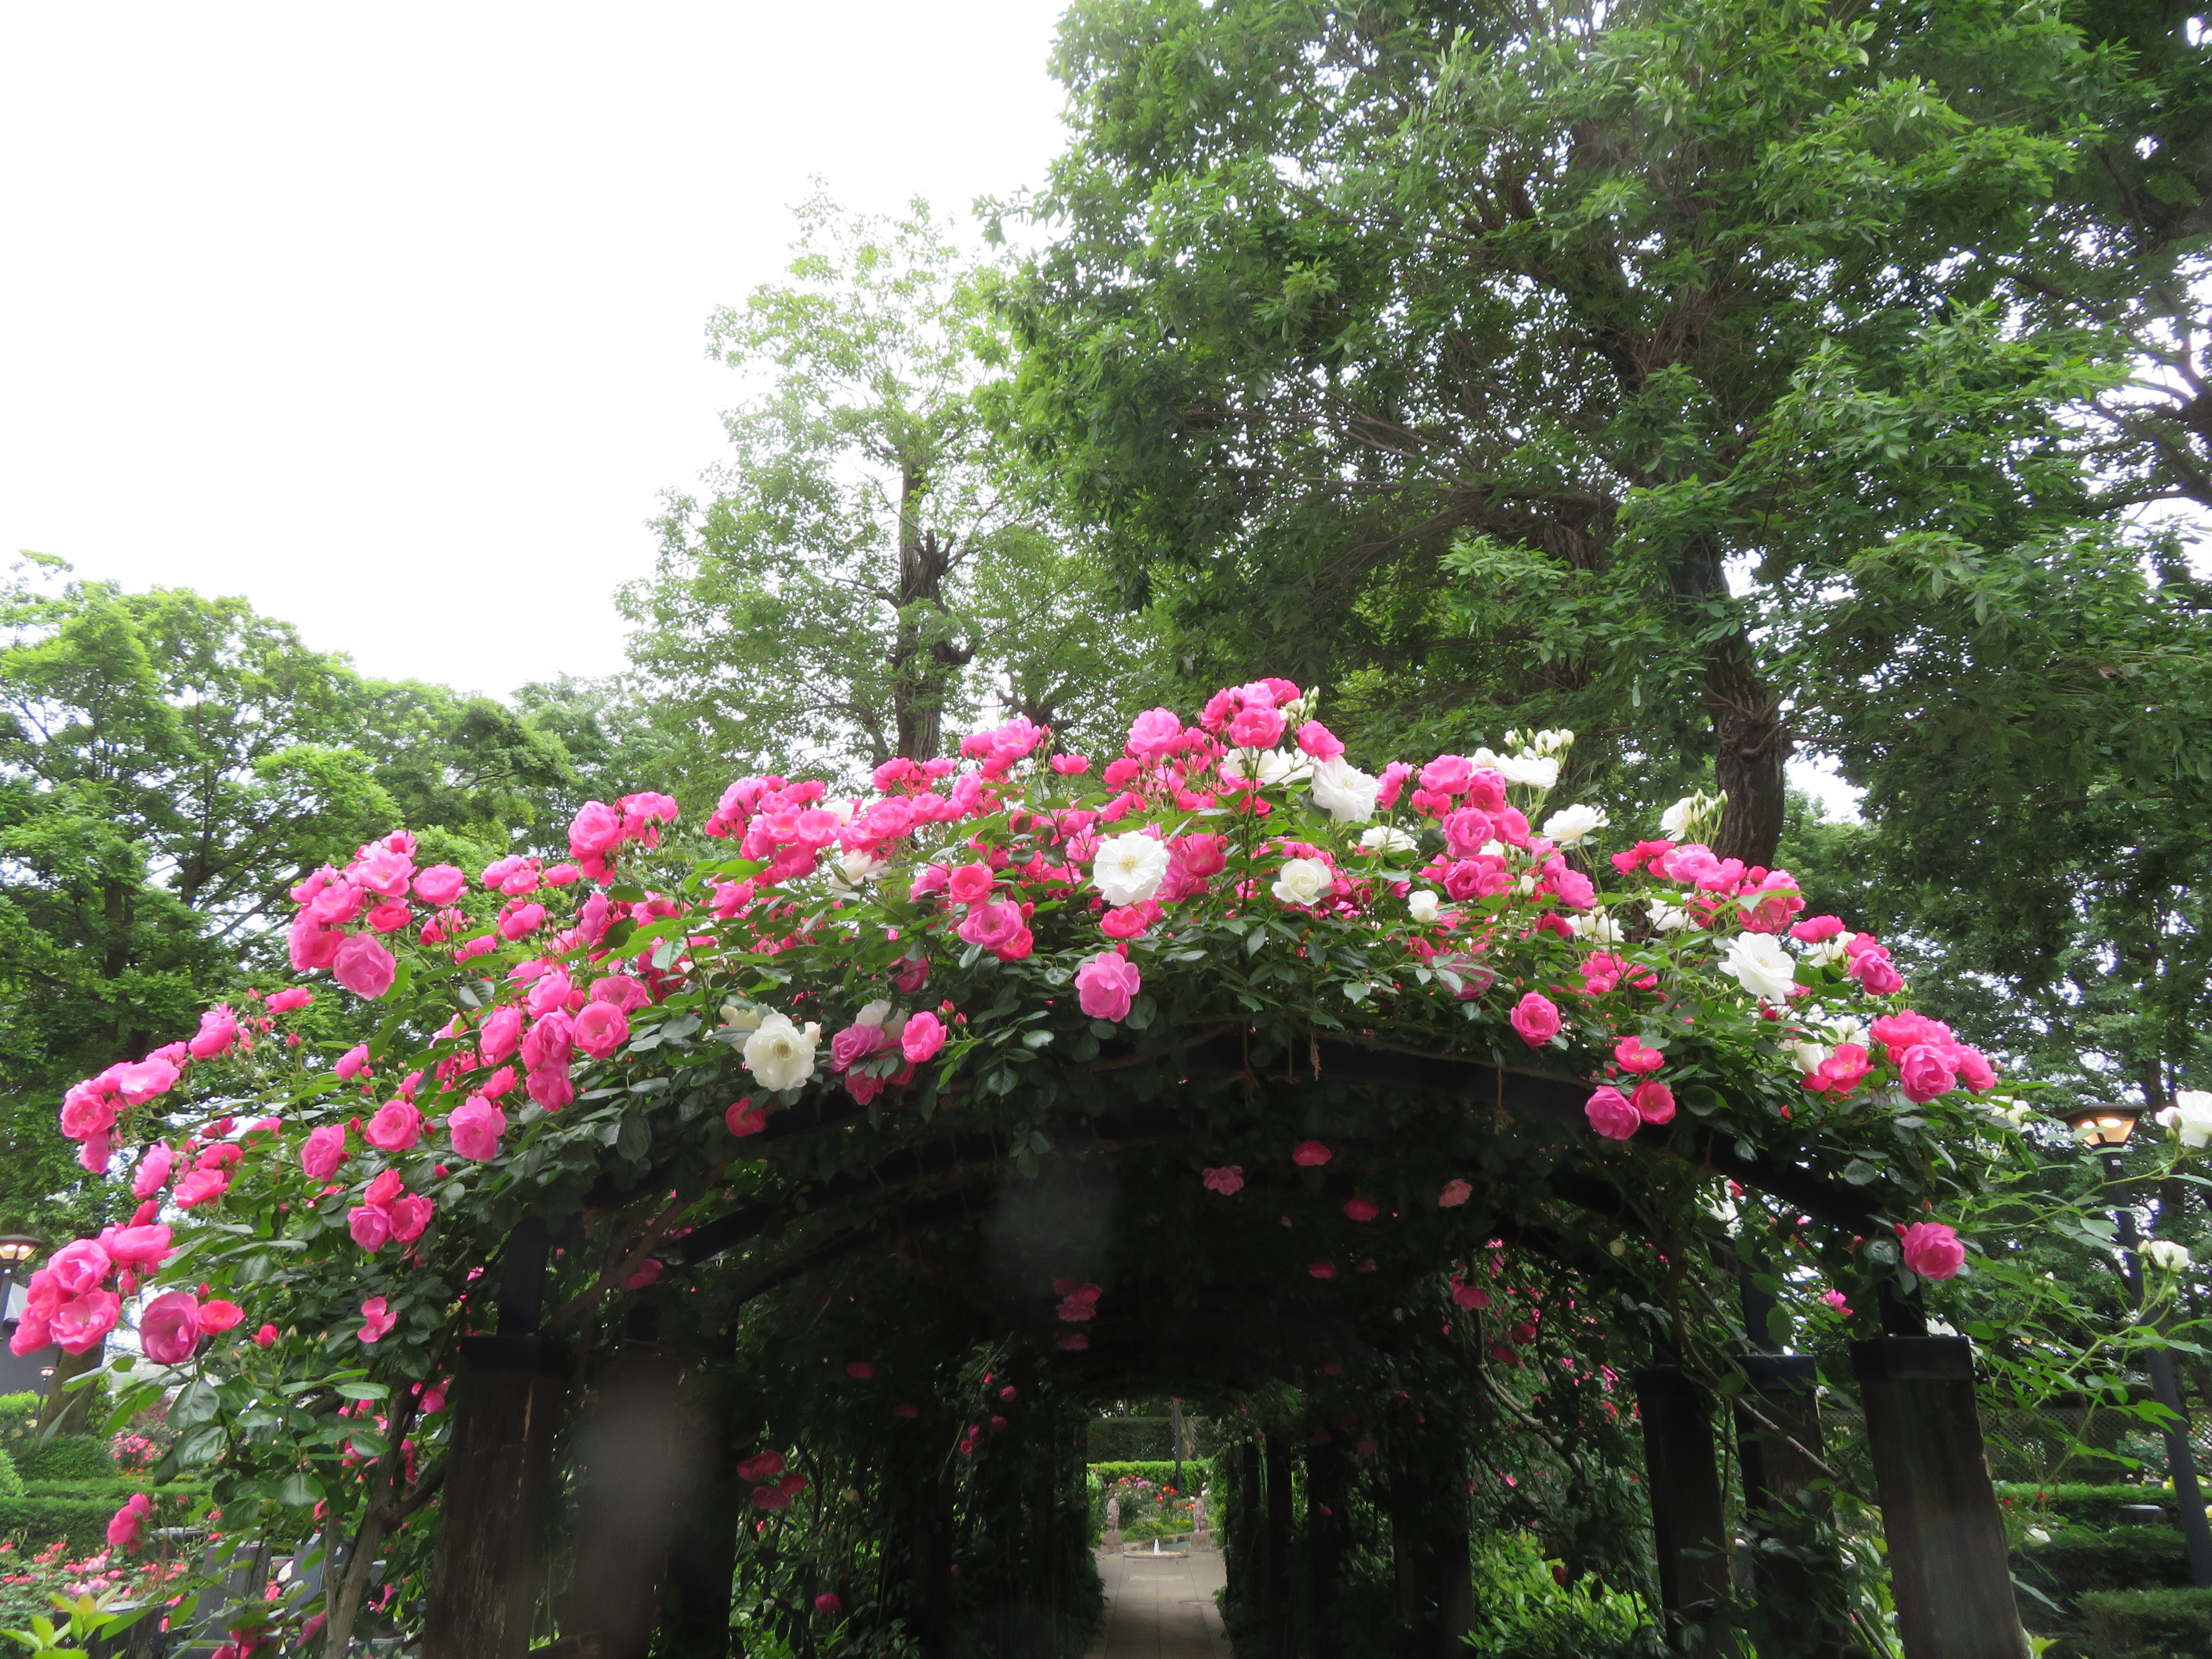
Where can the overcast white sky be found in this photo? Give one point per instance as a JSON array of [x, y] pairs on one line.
[[385, 316]]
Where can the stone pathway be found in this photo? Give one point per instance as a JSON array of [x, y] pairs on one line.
[[1161, 1607]]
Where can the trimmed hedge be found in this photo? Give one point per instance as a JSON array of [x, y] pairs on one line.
[[2130, 1558], [65, 1457], [2079, 1504], [1160, 1474], [78, 1514], [2149, 1623]]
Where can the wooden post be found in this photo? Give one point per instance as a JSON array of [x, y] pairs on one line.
[[1282, 1626], [702, 1552], [488, 1566], [1688, 1528], [1243, 1546], [626, 1488], [1947, 1542], [1326, 1525], [1778, 1424], [490, 1560]]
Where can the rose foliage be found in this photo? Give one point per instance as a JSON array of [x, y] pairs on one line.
[[997, 941]]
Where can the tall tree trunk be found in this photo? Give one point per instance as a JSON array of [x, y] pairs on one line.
[[1751, 738]]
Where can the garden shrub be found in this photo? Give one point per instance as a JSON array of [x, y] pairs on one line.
[[2149, 1624], [2130, 1558], [2080, 1503], [65, 1457], [11, 1481], [1525, 1613]]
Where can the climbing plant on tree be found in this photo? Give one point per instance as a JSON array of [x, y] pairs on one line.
[[1329, 1023]]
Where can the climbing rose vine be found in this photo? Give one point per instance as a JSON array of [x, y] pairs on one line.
[[1012, 933]]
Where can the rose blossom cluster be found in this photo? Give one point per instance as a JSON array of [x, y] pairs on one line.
[[1459, 870], [69, 1302]]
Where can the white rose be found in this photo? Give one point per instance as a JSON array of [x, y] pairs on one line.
[[782, 1055], [1668, 918], [854, 868], [1569, 825], [1344, 792], [1760, 965], [1537, 771], [1678, 820], [1384, 839], [2194, 1106], [1422, 903], [1827, 950], [874, 1014], [1129, 868], [2164, 1253], [1268, 766], [1598, 929], [1303, 881], [1810, 1054], [747, 1018]]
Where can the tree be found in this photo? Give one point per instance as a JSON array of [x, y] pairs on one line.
[[169, 766], [1435, 351], [868, 563]]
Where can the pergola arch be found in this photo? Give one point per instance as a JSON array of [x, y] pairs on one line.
[[1534, 1168]]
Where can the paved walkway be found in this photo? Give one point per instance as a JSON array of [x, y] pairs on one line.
[[1162, 1606]]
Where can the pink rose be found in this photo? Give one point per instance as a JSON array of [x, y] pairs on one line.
[[476, 1125], [500, 1033], [1255, 727], [363, 967], [218, 1030], [325, 1149], [353, 1063], [1361, 1209], [596, 830], [283, 1002], [377, 1319], [155, 1167], [1813, 929], [125, 1525], [1310, 1154], [744, 1118], [441, 884], [551, 1041], [855, 1044], [1323, 1270], [971, 883], [370, 1227], [549, 1086], [1455, 1192], [923, 1037], [1447, 775], [266, 1336], [1876, 976], [218, 1317], [1932, 1249], [1610, 1115], [1228, 1180], [1635, 1057], [992, 925], [1105, 986], [32, 1333], [1317, 740], [600, 1029], [1535, 1018], [142, 1248], [313, 945], [1925, 1073], [1155, 732], [140, 1082], [79, 1268], [1654, 1101], [81, 1325], [169, 1329], [517, 920], [396, 1127], [409, 1216], [620, 991], [202, 1187]]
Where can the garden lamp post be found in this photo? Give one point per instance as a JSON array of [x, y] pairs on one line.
[[16, 1249], [2106, 1126]]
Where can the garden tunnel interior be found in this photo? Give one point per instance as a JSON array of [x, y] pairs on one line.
[[933, 1269]]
